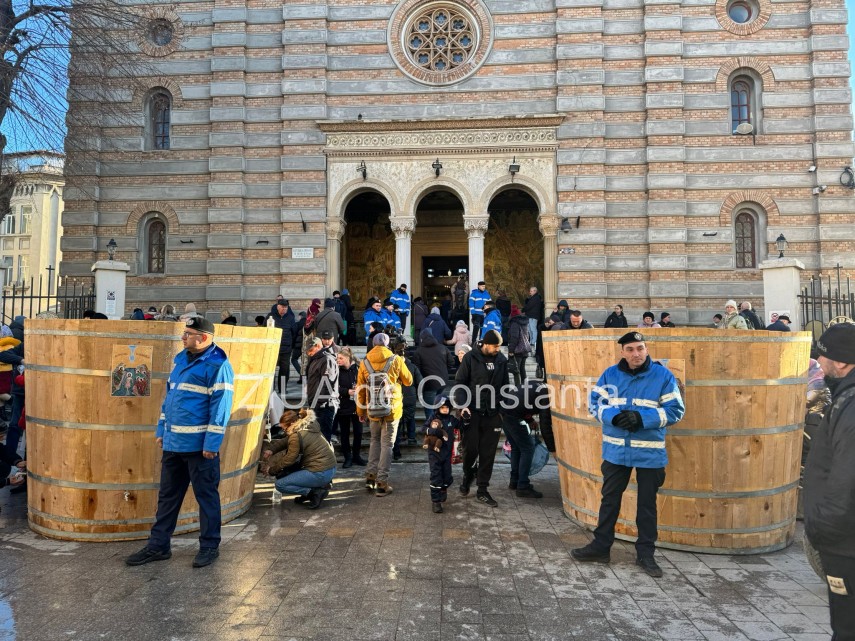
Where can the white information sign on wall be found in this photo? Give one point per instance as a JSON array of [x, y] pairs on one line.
[[302, 252]]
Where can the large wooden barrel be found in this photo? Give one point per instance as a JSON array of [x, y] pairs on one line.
[[94, 466], [732, 478]]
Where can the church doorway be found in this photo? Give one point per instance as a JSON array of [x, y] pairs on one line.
[[440, 274], [513, 232], [367, 249], [439, 242]]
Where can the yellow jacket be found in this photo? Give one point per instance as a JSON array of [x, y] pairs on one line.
[[399, 375], [7, 343]]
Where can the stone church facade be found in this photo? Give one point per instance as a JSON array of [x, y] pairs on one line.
[[643, 152]]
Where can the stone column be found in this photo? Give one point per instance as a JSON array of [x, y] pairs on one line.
[[476, 227], [403, 228], [548, 225], [110, 278], [781, 285], [335, 232]]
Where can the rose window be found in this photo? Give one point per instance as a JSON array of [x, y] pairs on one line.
[[441, 39]]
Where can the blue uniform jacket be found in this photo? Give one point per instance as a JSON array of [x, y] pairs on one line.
[[370, 316], [476, 301], [653, 393], [198, 402], [401, 299], [493, 320], [390, 318]]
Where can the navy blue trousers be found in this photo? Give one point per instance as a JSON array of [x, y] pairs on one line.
[[440, 471], [177, 471]]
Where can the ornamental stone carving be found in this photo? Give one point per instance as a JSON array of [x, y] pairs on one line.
[[549, 224], [402, 227], [476, 226], [431, 140], [335, 228]]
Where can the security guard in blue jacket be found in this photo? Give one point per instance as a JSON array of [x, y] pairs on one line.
[[477, 298], [401, 299], [192, 424], [635, 401], [492, 319]]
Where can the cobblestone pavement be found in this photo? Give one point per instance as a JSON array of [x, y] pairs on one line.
[[383, 569]]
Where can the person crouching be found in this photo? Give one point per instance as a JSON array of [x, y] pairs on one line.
[[303, 462], [439, 443]]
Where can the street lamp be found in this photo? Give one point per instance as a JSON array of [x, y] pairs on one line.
[[437, 166], [111, 248], [782, 244], [514, 167]]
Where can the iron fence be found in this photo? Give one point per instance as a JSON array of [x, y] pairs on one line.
[[62, 296], [827, 300]]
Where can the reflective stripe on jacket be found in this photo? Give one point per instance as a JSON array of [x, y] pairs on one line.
[[476, 301], [654, 394], [198, 402], [401, 299], [493, 320]]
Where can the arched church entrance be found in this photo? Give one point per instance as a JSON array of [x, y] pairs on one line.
[[439, 249], [513, 245], [367, 248]]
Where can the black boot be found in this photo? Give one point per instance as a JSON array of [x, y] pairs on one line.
[[348, 461]]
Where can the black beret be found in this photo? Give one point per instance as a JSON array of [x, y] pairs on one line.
[[631, 337], [200, 324], [837, 343]]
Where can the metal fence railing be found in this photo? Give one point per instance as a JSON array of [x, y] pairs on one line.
[[827, 300], [62, 296]]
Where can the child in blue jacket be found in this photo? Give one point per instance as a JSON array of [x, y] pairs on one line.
[[439, 442]]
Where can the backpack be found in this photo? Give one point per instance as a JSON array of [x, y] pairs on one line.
[[380, 390]]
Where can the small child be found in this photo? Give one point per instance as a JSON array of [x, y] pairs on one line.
[[439, 442]]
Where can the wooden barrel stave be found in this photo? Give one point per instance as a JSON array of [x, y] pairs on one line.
[[94, 462], [734, 457]]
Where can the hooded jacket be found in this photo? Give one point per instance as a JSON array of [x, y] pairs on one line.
[[372, 316], [517, 331], [563, 313], [317, 453], [477, 370], [398, 375], [322, 380], [461, 336], [433, 360], [615, 320], [198, 402], [420, 312], [435, 324], [829, 484], [329, 320], [493, 320]]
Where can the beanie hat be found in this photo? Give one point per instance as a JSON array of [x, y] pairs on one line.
[[381, 339], [190, 308], [837, 343], [434, 310], [464, 348], [730, 303], [492, 337], [664, 315], [648, 315]]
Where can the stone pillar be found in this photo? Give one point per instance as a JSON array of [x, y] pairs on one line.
[[110, 277], [548, 225], [476, 227], [335, 232], [781, 285], [403, 228]]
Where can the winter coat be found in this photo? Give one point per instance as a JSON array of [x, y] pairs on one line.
[[306, 439], [652, 325], [732, 321], [288, 324], [614, 320], [667, 324], [583, 325], [477, 370], [390, 318], [751, 319], [493, 320], [299, 328], [401, 299], [348, 308], [346, 382], [433, 360], [533, 307], [779, 326], [437, 326], [398, 375], [420, 312], [370, 316], [476, 301], [652, 391], [829, 482], [198, 402], [409, 393], [519, 340], [562, 313], [14, 356], [8, 343], [503, 304], [322, 380], [329, 320], [461, 336]]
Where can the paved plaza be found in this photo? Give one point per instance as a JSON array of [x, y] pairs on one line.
[[388, 569]]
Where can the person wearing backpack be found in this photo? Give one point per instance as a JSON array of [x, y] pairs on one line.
[[519, 344], [379, 403]]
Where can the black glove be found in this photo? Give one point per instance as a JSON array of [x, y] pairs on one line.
[[628, 420]]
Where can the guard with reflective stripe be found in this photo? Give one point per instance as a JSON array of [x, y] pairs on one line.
[[635, 401], [191, 428]]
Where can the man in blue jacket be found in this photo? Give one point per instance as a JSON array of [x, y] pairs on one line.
[[635, 401], [477, 298], [390, 316], [192, 424], [401, 299], [374, 314], [492, 319]]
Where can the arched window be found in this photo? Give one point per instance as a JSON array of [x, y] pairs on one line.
[[746, 240], [159, 118], [155, 238], [741, 98]]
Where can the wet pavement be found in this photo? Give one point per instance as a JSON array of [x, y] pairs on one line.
[[388, 569]]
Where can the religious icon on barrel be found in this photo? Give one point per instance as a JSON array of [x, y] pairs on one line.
[[131, 371]]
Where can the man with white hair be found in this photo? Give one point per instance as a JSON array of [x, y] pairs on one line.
[[751, 318]]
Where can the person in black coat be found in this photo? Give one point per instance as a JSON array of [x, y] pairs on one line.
[[751, 319], [533, 310], [781, 324], [434, 361], [829, 480], [437, 326], [409, 398], [484, 371], [616, 318], [283, 318], [665, 320], [346, 416], [349, 318], [299, 326]]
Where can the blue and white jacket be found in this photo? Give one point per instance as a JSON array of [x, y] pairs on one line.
[[493, 320], [198, 402], [390, 318], [476, 301], [651, 391], [401, 299], [370, 316]]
